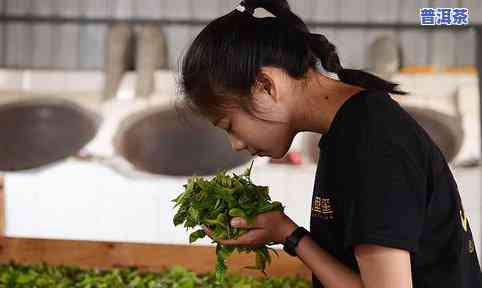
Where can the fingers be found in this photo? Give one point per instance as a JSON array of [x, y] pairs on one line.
[[238, 222], [208, 231], [251, 238], [254, 237]]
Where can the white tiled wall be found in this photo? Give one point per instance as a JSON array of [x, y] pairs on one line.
[[58, 203]]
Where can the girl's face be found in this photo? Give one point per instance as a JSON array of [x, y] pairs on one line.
[[268, 130], [259, 137]]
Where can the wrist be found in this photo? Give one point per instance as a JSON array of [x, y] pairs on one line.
[[293, 240], [286, 230]]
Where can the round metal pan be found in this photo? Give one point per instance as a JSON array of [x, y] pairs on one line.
[[444, 129], [170, 141], [38, 132]]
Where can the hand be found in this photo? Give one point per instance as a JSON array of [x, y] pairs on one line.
[[272, 226]]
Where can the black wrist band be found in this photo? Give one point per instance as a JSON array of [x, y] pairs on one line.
[[292, 241]]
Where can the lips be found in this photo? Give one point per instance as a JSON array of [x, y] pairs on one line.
[[260, 154], [257, 153]]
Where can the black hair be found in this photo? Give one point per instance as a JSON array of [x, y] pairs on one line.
[[224, 61]]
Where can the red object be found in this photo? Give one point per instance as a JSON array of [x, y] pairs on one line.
[[295, 158]]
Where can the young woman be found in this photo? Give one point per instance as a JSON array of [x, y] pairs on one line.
[[386, 210]]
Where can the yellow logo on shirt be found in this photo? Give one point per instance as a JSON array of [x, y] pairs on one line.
[[471, 247], [322, 208], [465, 220]]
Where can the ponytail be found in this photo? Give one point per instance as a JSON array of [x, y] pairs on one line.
[[368, 80], [326, 52], [323, 49]]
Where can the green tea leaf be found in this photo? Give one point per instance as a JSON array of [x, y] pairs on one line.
[[236, 212], [214, 202], [194, 236], [270, 207]]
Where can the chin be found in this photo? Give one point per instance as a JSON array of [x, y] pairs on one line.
[[277, 155]]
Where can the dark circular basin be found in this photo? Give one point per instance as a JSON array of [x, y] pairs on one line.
[[175, 142], [38, 132], [445, 130]]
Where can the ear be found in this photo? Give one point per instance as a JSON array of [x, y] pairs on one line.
[[266, 83]]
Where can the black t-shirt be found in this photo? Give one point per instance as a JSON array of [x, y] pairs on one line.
[[381, 180]]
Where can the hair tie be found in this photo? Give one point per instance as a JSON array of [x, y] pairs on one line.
[[243, 7]]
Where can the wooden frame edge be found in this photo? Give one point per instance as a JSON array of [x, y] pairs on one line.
[[146, 257], [2, 207]]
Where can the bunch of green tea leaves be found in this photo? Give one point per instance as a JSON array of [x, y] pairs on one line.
[[215, 202], [14, 275]]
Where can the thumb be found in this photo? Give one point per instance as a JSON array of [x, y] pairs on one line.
[[239, 222], [208, 231]]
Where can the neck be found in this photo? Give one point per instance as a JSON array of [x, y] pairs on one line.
[[321, 98]]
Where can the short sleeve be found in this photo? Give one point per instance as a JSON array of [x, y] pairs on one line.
[[383, 187]]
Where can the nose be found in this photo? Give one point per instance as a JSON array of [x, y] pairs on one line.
[[236, 144]]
